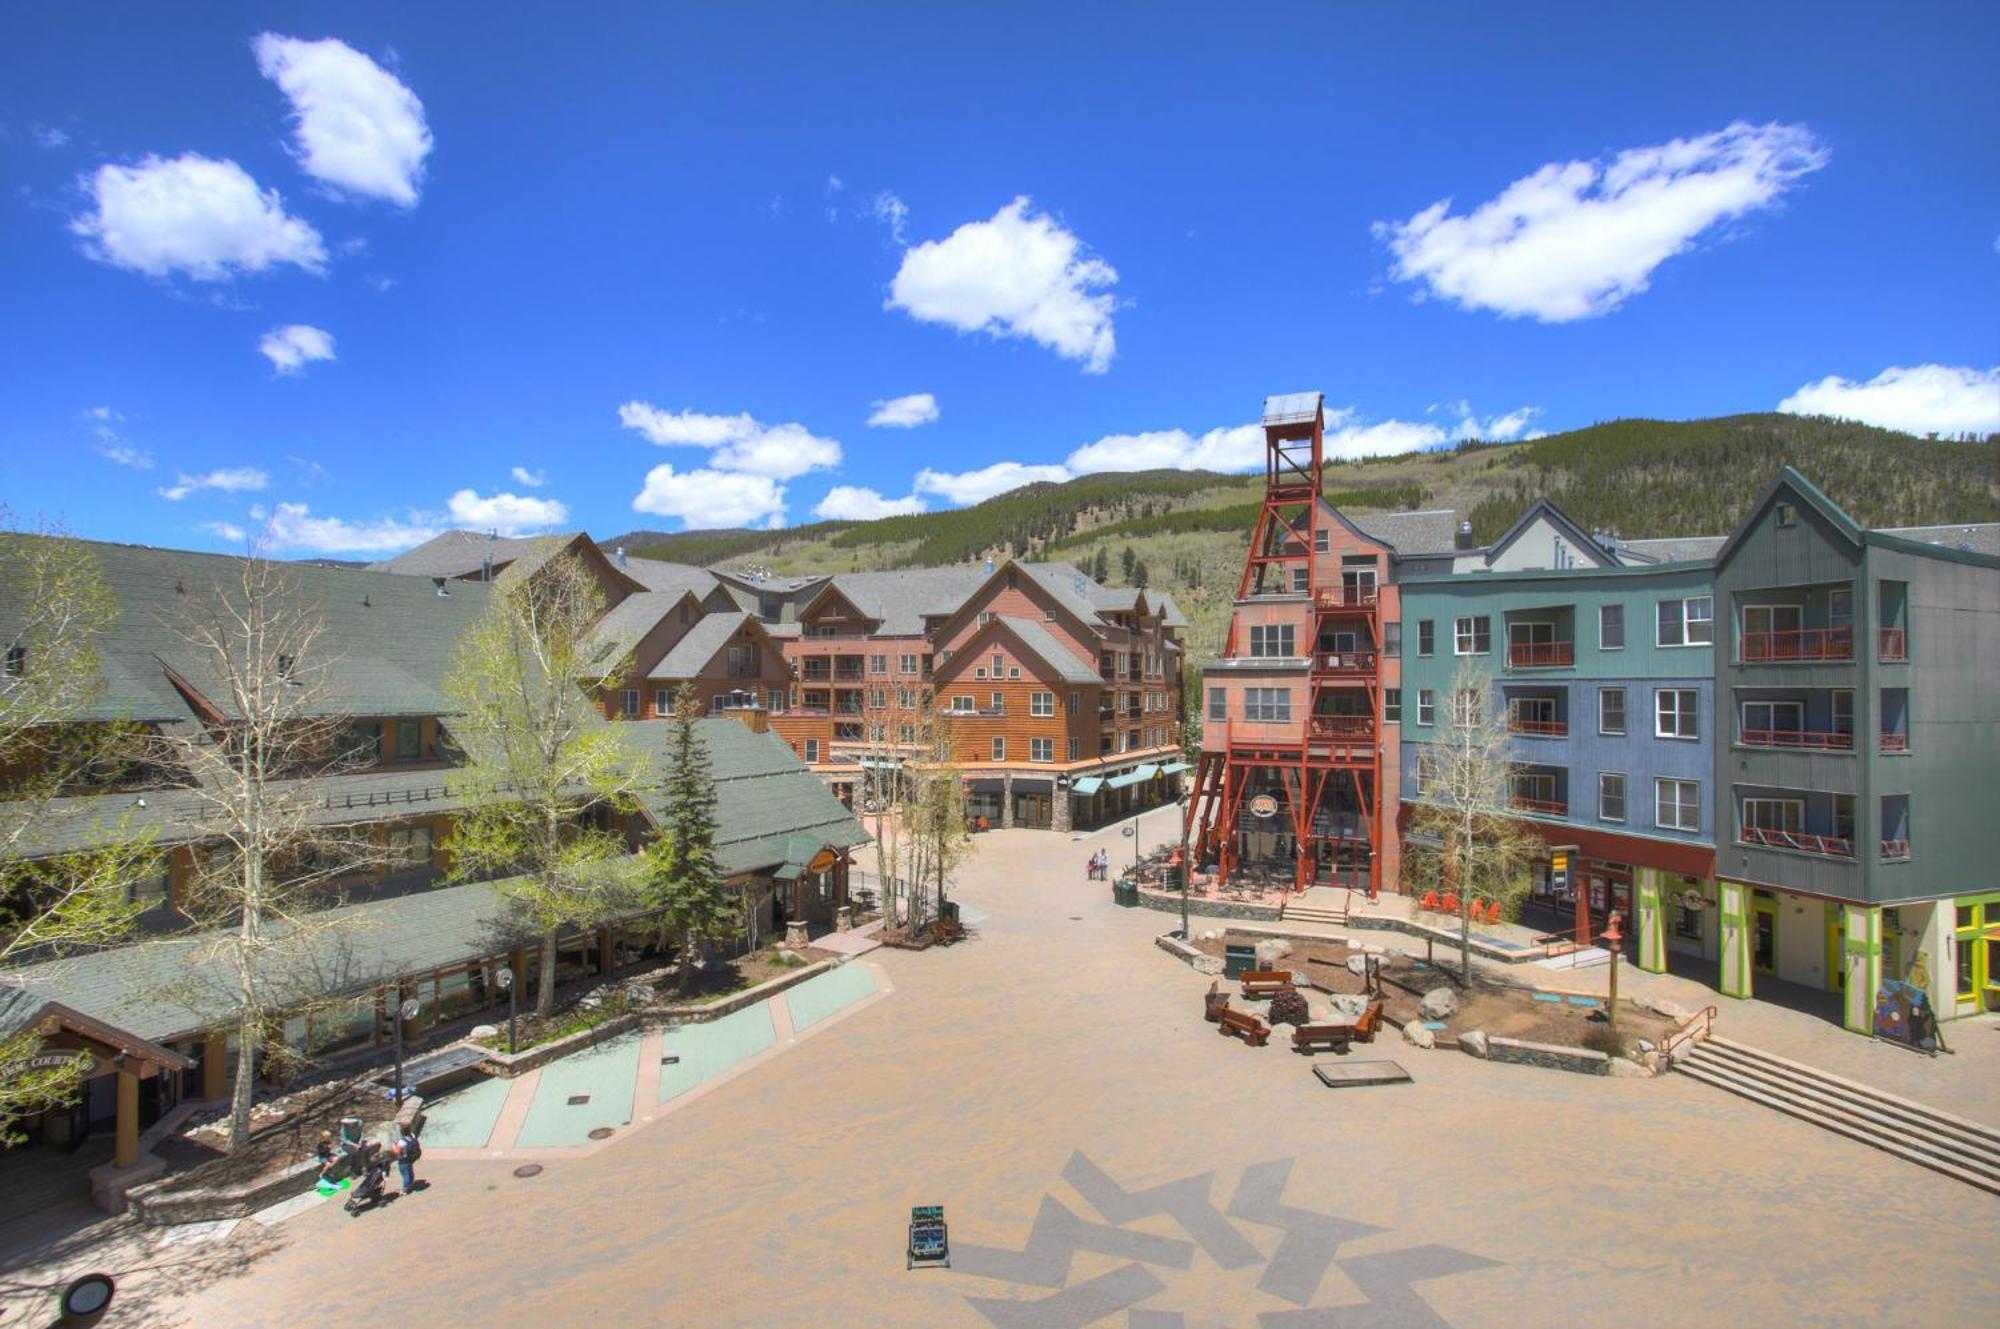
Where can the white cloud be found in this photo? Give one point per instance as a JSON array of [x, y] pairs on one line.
[[354, 125], [1019, 275], [1919, 400], [532, 479], [103, 413], [1577, 239], [893, 213], [291, 527], [834, 184], [919, 408], [737, 442], [708, 499], [294, 346], [112, 448], [310, 472], [509, 514], [48, 136], [852, 503], [974, 486], [1493, 429], [1239, 448], [227, 480], [1349, 437], [191, 214], [226, 530]]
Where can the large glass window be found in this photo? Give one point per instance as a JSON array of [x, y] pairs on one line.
[[1041, 749], [1271, 639], [1218, 703], [1611, 710], [1392, 640], [1611, 627], [1611, 796], [1676, 713], [410, 733], [1687, 622], [1041, 703], [1472, 635], [1677, 804], [1426, 706], [1268, 705]]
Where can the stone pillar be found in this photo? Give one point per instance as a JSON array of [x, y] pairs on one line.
[[126, 1152], [1007, 802], [1060, 812], [796, 938], [215, 1066], [843, 918], [1650, 888], [1862, 959], [1736, 939]]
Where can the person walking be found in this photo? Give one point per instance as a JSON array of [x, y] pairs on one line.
[[408, 1151]]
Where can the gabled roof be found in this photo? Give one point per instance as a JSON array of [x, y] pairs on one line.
[[1542, 508], [1072, 589], [1033, 639], [1410, 534], [691, 654], [626, 625], [1806, 491], [660, 576], [900, 601], [1968, 537], [462, 553], [1676, 549], [1163, 604]]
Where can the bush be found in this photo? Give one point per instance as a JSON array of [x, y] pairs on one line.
[[1600, 1036], [1289, 1007]]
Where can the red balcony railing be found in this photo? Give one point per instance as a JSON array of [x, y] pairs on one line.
[[1893, 644], [1538, 728], [1343, 726], [1799, 644], [1895, 849], [1540, 807], [1541, 655], [1346, 597], [1822, 740], [1831, 845], [1895, 742], [1346, 662]]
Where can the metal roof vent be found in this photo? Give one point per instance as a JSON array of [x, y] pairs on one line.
[[989, 562], [439, 583], [1465, 535], [619, 554]]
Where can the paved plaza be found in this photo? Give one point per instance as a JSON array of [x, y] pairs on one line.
[[1105, 1158]]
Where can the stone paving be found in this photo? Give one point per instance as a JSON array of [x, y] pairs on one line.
[[1105, 1158]]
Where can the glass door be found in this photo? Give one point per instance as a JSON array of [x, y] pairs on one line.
[[1764, 940]]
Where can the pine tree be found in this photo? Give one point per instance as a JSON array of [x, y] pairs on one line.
[[1137, 576], [686, 878], [1126, 558], [1100, 567]]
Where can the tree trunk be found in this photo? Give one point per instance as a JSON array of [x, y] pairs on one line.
[[1465, 937], [545, 991], [244, 1091], [687, 961]]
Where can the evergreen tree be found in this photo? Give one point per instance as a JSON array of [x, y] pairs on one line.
[[1126, 558], [1138, 574], [1100, 567], [685, 877]]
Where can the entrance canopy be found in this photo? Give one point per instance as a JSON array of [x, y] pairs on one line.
[[1088, 785], [70, 1034]]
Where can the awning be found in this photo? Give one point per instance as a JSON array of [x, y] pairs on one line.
[[1175, 768], [1130, 777], [1088, 785]]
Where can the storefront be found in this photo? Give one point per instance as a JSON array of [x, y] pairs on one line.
[[986, 803], [1034, 804], [1976, 954]]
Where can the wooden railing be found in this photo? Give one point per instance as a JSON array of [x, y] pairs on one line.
[[1340, 597], [1798, 644], [1538, 728], [1345, 662], [1893, 644], [1343, 726], [1833, 846], [1541, 655], [1824, 740], [1895, 849]]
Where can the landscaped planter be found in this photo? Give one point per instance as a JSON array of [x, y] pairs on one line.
[[1201, 906], [1583, 1061]]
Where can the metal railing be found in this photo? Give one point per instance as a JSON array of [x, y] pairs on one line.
[[1892, 644], [1696, 1027], [1346, 662], [1895, 743], [1540, 807], [1798, 644], [1830, 846], [1342, 597], [1342, 726], [1895, 849], [1541, 654], [1538, 728], [1825, 740]]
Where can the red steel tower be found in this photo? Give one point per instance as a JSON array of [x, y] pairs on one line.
[[1291, 772]]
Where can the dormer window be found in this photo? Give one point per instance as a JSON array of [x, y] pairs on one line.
[[1787, 515], [17, 661]]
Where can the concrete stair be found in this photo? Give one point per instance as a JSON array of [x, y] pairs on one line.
[[1952, 1146], [1320, 904]]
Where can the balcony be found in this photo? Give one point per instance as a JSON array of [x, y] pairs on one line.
[[1541, 655], [1828, 846], [1895, 743], [1895, 849], [1346, 597], [1892, 645], [1538, 807], [814, 671], [1517, 724], [1799, 644], [1346, 664], [1343, 726], [847, 673], [1815, 740]]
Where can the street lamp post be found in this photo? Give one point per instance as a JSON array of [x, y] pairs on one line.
[[404, 1012], [505, 978], [1611, 937]]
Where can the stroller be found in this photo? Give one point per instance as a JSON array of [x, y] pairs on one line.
[[372, 1161]]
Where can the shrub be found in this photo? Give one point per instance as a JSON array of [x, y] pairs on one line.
[[1602, 1037]]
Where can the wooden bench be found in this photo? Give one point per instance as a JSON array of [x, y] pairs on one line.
[[1248, 1027], [1337, 1037], [1213, 1004], [1265, 982]]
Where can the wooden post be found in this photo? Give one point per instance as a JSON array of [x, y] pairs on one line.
[[126, 1152], [215, 1066], [605, 953]]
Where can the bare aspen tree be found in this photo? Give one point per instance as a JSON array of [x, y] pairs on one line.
[[522, 687], [259, 768], [937, 812], [1466, 834]]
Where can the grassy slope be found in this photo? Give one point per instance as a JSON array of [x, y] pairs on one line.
[[1638, 477]]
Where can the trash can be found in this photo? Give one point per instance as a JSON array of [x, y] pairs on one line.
[[1238, 960], [1125, 893], [948, 911]]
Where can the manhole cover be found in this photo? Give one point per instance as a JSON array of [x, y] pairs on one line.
[[1076, 918], [578, 1100], [528, 1170], [603, 1132]]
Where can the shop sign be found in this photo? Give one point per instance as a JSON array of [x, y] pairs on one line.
[[55, 1061], [821, 861], [1264, 805]]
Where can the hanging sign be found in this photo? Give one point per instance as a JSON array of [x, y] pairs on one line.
[[821, 861], [1264, 805], [55, 1061]]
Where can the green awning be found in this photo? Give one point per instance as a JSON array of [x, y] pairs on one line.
[[1130, 777], [1175, 768], [1089, 784]]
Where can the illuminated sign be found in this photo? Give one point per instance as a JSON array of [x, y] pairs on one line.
[[1264, 805]]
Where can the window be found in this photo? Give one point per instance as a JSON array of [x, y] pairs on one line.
[[812, 750], [409, 847], [1426, 637], [1301, 580], [1075, 748], [1611, 710], [1611, 627], [878, 664], [984, 619], [775, 699], [1465, 708], [1392, 705], [906, 664], [288, 663], [410, 733], [999, 664], [1392, 640], [1426, 706], [1774, 814], [1675, 712], [1322, 541], [1687, 922], [1762, 718], [1611, 796], [1843, 711], [963, 703], [1041, 703], [1075, 702], [999, 749], [150, 891], [1000, 701], [877, 733], [1677, 805], [1788, 516], [905, 698], [1688, 622], [663, 701], [824, 631], [1041, 749], [1218, 703], [628, 706], [1268, 705], [1472, 635], [1273, 640], [906, 733], [17, 661]]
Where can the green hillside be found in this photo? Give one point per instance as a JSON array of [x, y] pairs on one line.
[[1187, 530]]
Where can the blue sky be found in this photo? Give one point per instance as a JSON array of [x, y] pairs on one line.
[[348, 275]]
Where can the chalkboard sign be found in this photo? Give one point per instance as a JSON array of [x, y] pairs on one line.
[[929, 1244]]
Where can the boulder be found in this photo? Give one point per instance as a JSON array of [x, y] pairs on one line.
[[1269, 953], [1348, 1006], [1474, 1041], [639, 993], [1664, 1007], [1417, 1036], [1645, 1045], [481, 1032], [1207, 964], [1624, 1068], [1357, 964], [1438, 1004]]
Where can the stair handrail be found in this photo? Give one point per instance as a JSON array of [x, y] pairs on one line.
[[1681, 1037]]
